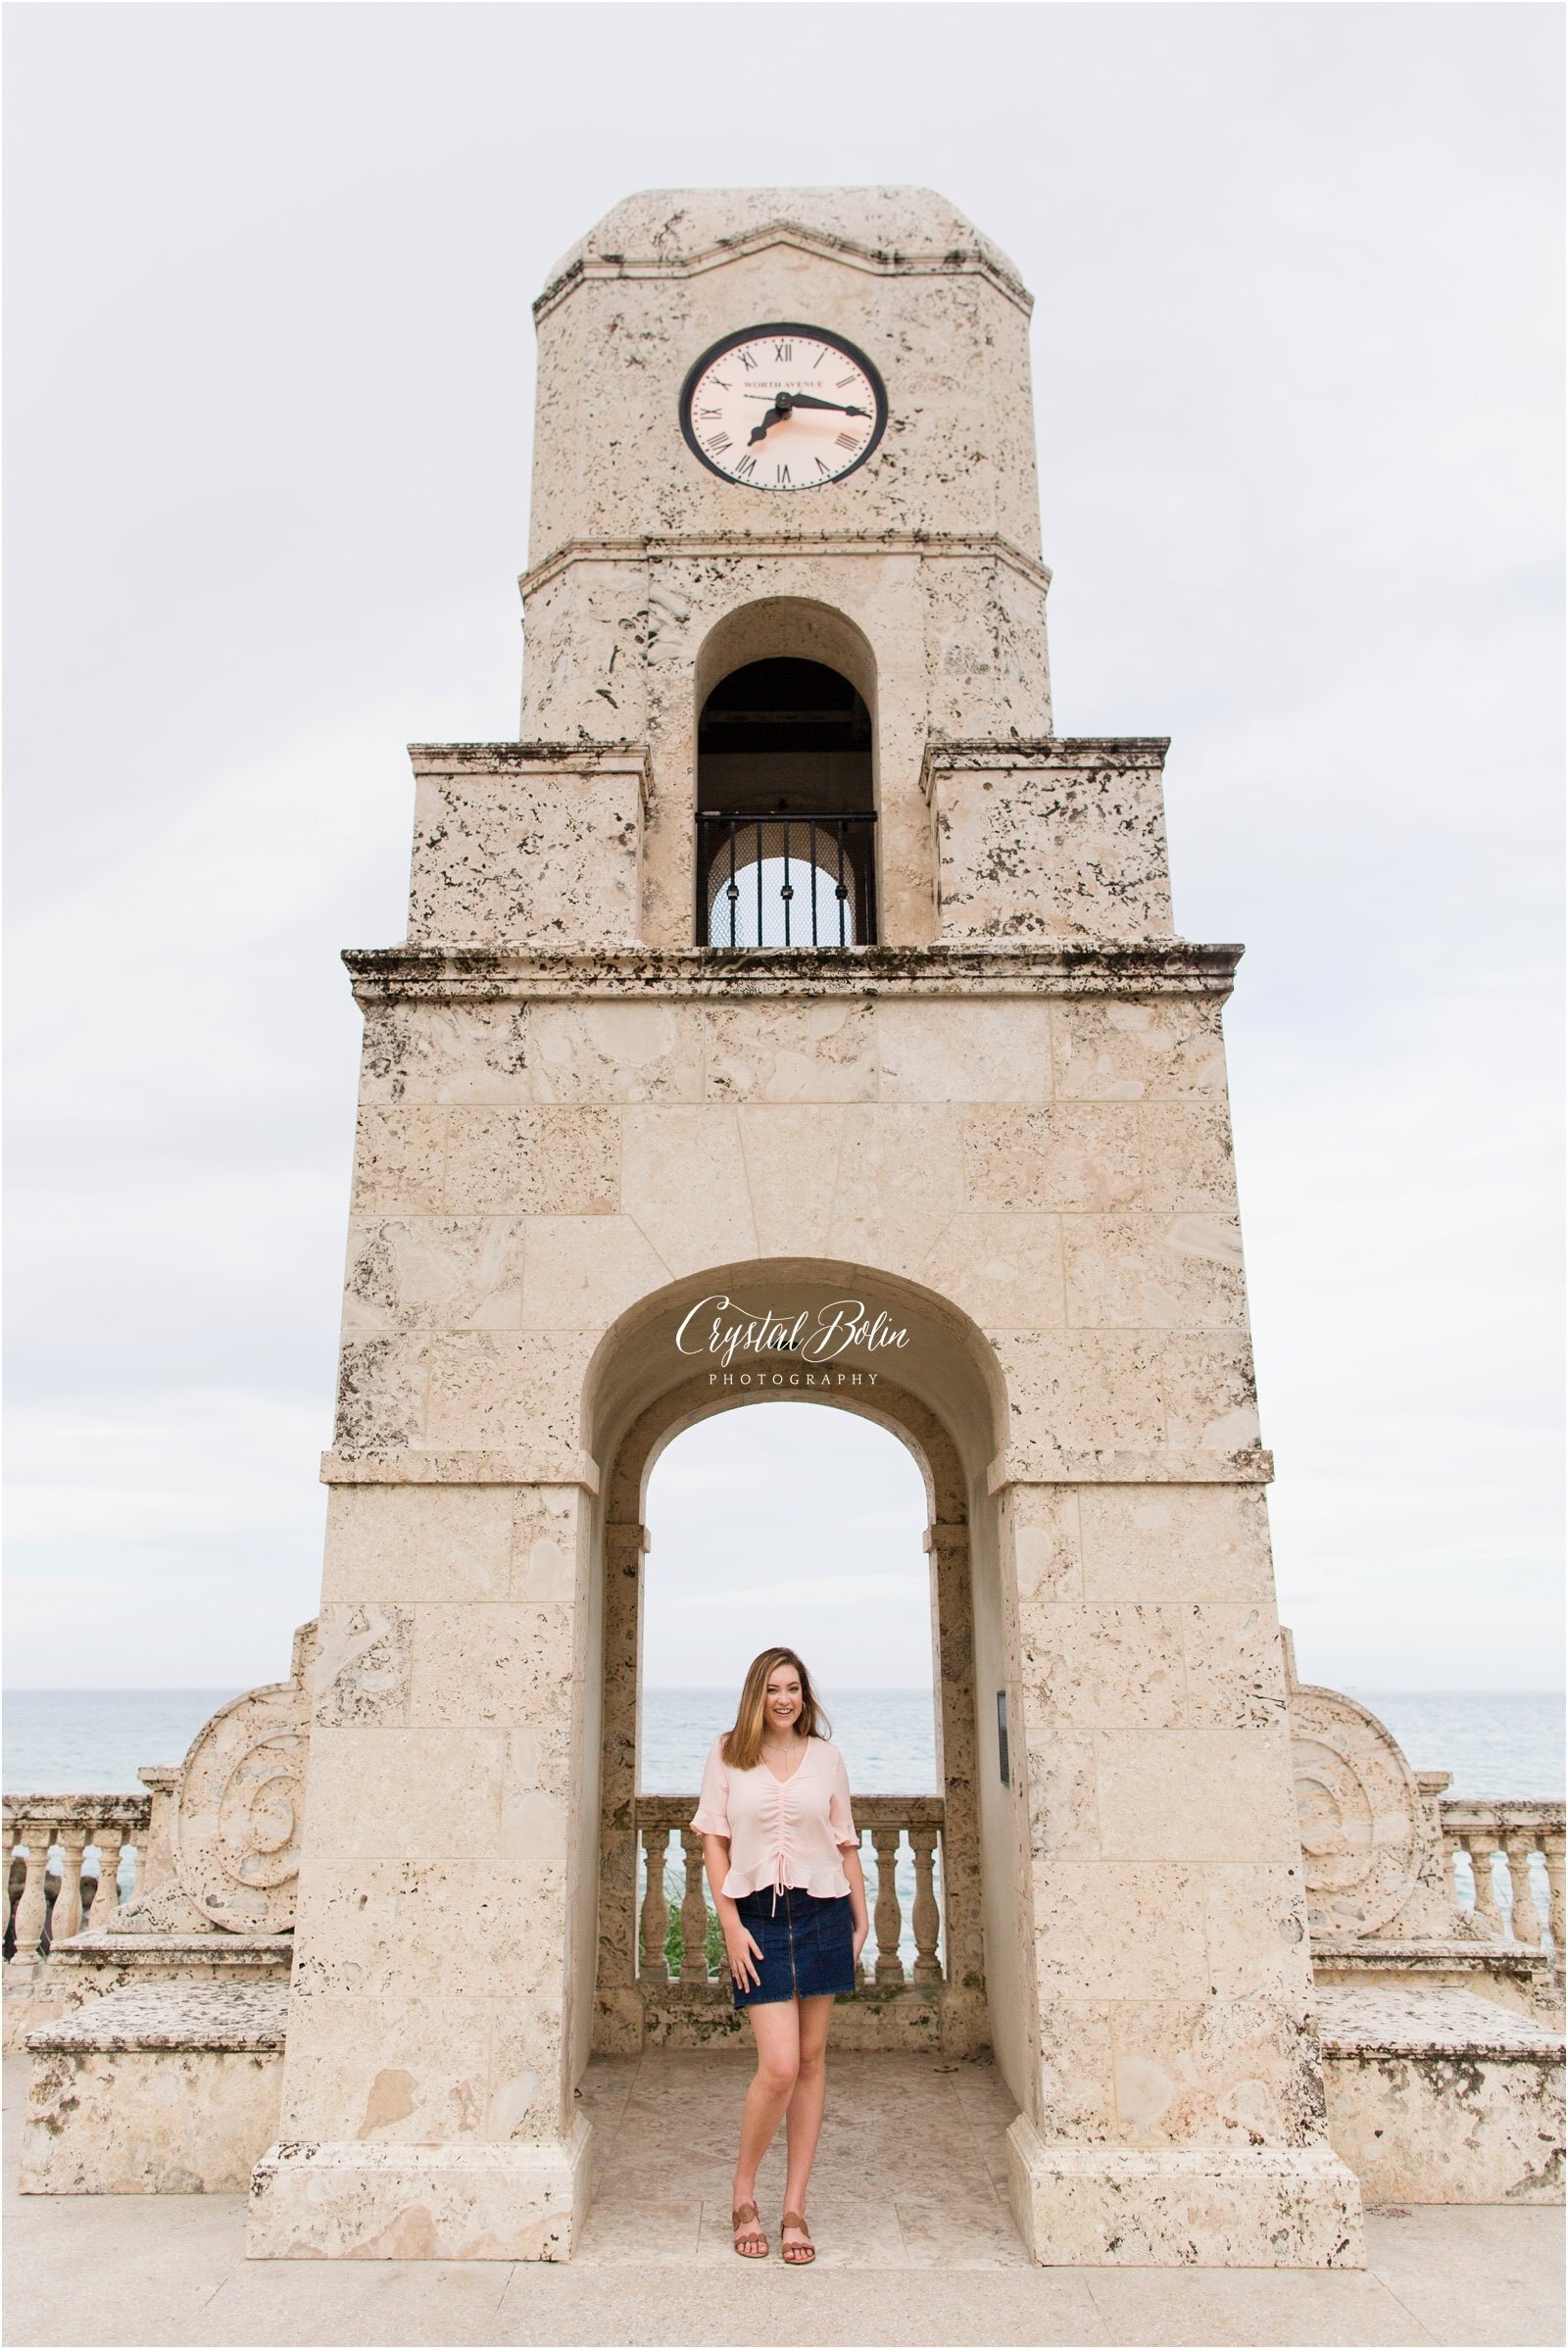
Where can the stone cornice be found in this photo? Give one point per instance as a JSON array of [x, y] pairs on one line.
[[414, 1465], [1070, 968], [1252, 1466], [879, 262], [1465, 1814], [720, 546], [78, 1810], [1087, 753], [521, 758]]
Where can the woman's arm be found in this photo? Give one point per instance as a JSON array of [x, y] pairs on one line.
[[739, 1947], [850, 1857]]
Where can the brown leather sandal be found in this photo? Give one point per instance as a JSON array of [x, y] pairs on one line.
[[795, 2255], [743, 2225]]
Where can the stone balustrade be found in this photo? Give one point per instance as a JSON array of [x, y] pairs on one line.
[[1528, 1838], [885, 1821], [1504, 1854], [66, 1827]]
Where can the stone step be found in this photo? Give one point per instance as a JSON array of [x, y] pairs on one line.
[[1513, 1974], [94, 1965], [157, 2088], [1428, 2021], [168, 2017], [1436, 2094]]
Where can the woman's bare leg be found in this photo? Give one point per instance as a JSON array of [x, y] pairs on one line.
[[804, 2125], [776, 2029]]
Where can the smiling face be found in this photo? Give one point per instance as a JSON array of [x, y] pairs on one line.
[[781, 1707], [783, 407]]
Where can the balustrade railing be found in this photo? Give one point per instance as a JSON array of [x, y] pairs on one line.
[[1507, 1859], [899, 1950], [67, 1830], [1521, 1900]]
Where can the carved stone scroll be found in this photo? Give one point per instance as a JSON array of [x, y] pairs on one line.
[[235, 1822], [1370, 1840]]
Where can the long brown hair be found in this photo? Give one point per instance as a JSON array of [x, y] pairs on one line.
[[742, 1747]]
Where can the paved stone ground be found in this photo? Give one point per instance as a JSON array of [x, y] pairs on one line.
[[916, 2246]]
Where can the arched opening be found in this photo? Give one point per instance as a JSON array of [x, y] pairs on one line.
[[835, 1565], [924, 1969], [938, 1394], [785, 808]]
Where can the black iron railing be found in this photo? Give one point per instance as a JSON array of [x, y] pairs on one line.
[[786, 880]]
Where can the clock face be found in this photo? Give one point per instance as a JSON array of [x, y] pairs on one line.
[[783, 407]]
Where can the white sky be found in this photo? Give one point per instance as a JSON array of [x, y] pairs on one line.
[[748, 1553], [1297, 371]]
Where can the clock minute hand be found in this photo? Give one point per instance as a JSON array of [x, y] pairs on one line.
[[808, 399]]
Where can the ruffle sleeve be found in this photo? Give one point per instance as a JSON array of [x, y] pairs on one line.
[[841, 1817], [711, 1814]]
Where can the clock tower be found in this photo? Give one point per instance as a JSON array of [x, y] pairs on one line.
[[790, 957]]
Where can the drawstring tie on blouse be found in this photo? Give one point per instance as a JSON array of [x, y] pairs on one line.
[[780, 1855]]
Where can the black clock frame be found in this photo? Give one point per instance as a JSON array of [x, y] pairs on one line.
[[748, 334]]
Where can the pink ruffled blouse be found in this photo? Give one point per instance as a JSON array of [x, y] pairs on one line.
[[781, 1830]]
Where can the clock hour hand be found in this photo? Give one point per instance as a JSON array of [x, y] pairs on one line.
[[774, 416]]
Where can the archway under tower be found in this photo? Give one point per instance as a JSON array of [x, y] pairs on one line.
[[942, 1999]]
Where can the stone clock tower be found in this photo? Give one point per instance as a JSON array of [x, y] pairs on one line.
[[789, 955]]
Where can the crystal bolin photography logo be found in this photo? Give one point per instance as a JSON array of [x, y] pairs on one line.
[[720, 1328]]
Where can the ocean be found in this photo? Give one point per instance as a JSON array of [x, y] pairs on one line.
[[92, 1741]]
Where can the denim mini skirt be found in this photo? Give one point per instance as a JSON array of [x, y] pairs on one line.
[[808, 1945]]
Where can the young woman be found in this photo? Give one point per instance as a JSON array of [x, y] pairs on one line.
[[784, 1863]]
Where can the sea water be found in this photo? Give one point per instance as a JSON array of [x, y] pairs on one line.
[[1498, 1747], [93, 1740]]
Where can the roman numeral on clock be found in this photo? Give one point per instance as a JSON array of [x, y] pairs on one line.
[[746, 468], [719, 442], [781, 477], [824, 469], [844, 382], [783, 353], [749, 360], [847, 440]]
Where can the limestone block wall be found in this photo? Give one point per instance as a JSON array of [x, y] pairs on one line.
[[529, 1167], [1167, 1944], [1051, 1156], [430, 1997], [1160, 1809], [936, 305], [526, 844], [939, 640], [1050, 839]]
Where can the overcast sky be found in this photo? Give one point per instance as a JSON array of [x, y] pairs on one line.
[[1296, 358]]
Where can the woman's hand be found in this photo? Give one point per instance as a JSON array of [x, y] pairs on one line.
[[741, 1951], [744, 1955], [859, 1906]]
